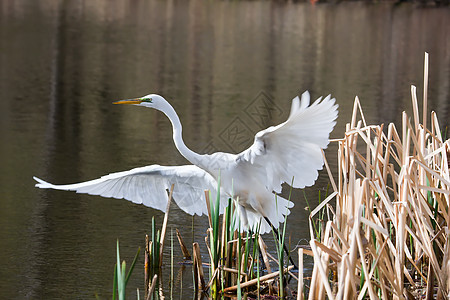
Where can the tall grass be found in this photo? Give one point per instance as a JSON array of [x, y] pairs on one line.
[[215, 242], [235, 255], [154, 250], [388, 236], [121, 277]]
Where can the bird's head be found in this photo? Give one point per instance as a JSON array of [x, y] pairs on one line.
[[150, 100]]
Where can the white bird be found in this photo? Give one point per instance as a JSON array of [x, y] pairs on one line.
[[290, 152]]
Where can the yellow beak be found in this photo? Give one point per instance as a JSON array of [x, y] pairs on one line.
[[129, 101]]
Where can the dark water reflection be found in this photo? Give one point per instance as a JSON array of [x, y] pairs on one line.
[[64, 62]]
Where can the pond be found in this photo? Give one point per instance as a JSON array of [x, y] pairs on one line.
[[64, 62]]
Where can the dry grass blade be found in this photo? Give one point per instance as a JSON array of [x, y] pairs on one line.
[[234, 288], [263, 249], [164, 226], [234, 271], [199, 277], [146, 261], [185, 251], [324, 278], [300, 275], [208, 205], [323, 203], [152, 287], [334, 255]]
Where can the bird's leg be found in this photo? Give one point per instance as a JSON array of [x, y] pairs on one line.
[[284, 246]]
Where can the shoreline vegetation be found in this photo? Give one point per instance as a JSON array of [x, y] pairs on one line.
[[386, 237], [392, 210]]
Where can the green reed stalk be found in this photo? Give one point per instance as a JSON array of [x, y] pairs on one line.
[[114, 283], [229, 227], [255, 250], [239, 295], [314, 223], [214, 237], [247, 251], [121, 278], [257, 268], [154, 254]]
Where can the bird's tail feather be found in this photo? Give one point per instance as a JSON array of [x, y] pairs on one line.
[[276, 212]]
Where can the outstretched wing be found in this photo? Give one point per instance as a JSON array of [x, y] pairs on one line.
[[148, 185], [293, 148]]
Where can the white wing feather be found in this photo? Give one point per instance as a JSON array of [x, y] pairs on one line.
[[293, 149], [148, 186]]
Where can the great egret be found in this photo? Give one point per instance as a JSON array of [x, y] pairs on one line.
[[290, 152]]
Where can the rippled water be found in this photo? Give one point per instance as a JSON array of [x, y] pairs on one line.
[[64, 62]]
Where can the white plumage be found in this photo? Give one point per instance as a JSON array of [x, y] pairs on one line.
[[148, 185], [289, 151]]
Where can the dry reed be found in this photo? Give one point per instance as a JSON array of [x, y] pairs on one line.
[[388, 237]]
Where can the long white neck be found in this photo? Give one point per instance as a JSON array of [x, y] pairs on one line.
[[190, 155]]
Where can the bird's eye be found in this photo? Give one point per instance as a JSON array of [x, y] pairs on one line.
[[147, 100]]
